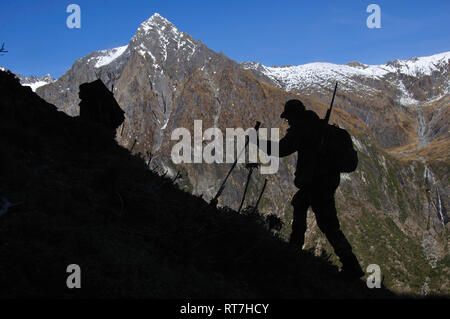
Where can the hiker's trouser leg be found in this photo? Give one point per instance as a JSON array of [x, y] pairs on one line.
[[300, 202], [324, 209]]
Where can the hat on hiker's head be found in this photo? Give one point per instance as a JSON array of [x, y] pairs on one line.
[[292, 108]]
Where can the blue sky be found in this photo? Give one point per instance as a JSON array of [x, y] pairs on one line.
[[270, 32]]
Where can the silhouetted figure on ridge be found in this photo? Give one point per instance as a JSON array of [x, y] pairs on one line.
[[317, 177], [99, 105]]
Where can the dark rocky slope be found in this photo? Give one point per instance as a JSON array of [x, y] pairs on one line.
[[86, 200]]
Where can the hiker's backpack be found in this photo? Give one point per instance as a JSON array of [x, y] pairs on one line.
[[340, 151]]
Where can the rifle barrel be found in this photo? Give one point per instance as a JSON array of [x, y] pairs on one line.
[[327, 117]]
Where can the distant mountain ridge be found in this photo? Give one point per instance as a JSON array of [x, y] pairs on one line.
[[33, 81], [319, 75]]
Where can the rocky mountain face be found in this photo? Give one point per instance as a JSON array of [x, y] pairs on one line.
[[393, 208]]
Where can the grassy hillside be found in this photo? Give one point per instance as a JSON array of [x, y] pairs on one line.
[[87, 201]]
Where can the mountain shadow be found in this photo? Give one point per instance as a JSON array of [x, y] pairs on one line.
[[83, 199]]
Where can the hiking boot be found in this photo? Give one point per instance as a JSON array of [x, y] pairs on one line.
[[352, 271], [296, 241]]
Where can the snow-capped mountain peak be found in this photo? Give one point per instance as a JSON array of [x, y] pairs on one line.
[[156, 20], [156, 25], [156, 28], [157, 38]]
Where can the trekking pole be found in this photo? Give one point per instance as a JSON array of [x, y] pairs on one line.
[[260, 195], [134, 144], [222, 186], [250, 167]]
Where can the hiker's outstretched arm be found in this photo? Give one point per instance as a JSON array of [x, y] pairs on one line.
[[286, 146]]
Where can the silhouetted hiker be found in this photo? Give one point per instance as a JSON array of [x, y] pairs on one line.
[[99, 105], [317, 178]]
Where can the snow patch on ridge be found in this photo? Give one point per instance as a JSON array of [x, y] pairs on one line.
[[405, 98], [34, 82], [35, 85], [109, 55]]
